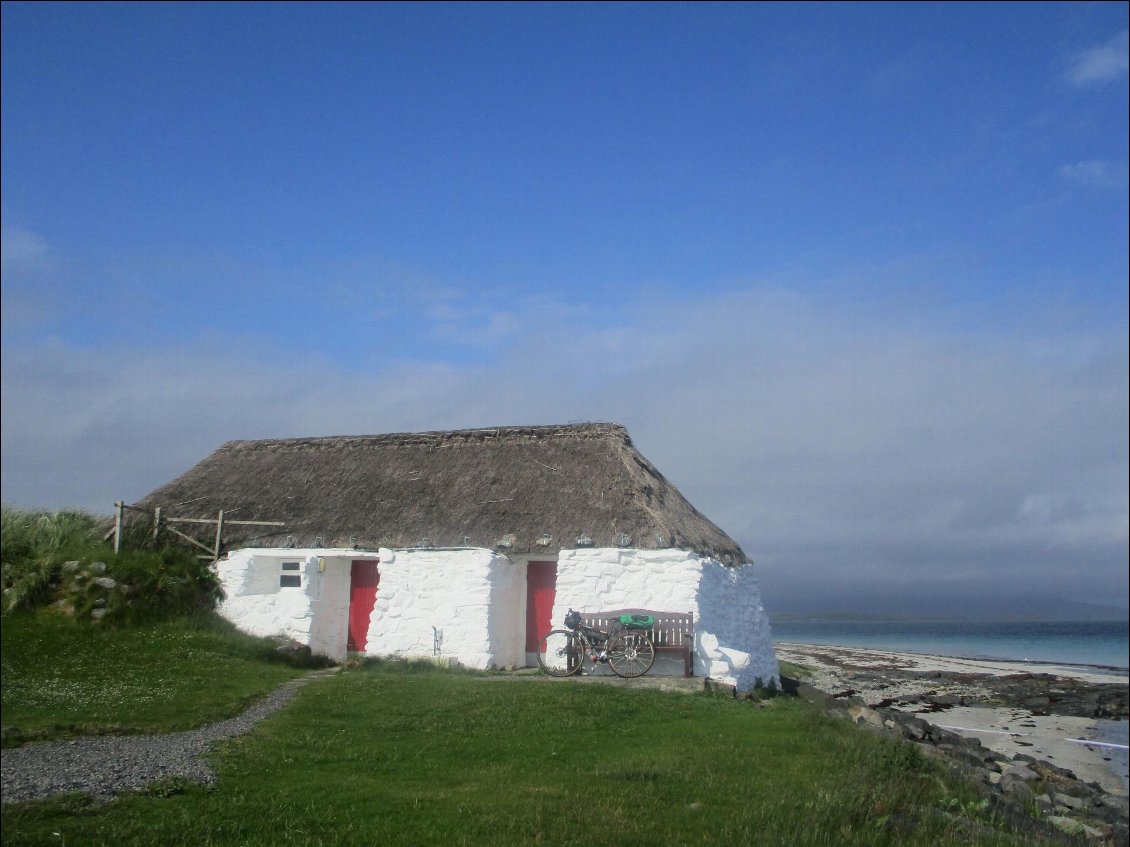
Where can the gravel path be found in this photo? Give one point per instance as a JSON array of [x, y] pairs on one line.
[[105, 765]]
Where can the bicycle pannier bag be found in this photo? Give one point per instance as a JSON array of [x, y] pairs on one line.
[[638, 621]]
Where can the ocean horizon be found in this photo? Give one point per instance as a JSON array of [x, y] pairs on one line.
[[1103, 644]]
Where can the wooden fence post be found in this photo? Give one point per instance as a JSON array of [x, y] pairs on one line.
[[219, 533], [118, 504]]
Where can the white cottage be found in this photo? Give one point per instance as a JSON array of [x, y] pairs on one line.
[[468, 544]]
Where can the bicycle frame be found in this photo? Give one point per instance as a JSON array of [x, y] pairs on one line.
[[592, 637], [627, 656]]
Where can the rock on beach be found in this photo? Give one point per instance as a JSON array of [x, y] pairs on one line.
[[1013, 726]]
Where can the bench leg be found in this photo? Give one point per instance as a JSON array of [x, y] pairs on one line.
[[688, 662]]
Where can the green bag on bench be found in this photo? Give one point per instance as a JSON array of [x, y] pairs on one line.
[[638, 621]]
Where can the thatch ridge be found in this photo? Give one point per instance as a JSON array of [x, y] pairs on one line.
[[517, 489]]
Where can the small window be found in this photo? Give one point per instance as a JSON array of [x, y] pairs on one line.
[[290, 581], [291, 566]]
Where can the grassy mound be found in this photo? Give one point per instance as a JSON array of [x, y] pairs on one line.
[[62, 559]]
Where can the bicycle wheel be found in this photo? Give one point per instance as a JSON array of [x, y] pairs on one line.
[[630, 653], [560, 653]]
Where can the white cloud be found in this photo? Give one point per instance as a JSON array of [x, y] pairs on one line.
[[840, 447], [1109, 61], [1097, 173]]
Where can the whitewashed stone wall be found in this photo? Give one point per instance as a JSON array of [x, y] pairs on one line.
[[315, 614], [474, 598], [732, 638], [329, 604], [507, 621], [467, 595]]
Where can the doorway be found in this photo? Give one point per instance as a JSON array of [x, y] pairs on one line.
[[541, 591], [364, 579]]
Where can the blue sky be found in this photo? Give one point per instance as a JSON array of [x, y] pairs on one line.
[[854, 276]]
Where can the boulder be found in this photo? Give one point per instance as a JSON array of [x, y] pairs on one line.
[[291, 649], [863, 715], [1073, 827], [1066, 801], [1020, 771], [1017, 789]]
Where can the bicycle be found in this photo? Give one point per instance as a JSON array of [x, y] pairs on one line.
[[626, 647]]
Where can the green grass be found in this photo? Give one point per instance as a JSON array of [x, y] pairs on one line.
[[62, 678], [794, 671], [32, 544], [30, 536], [409, 755]]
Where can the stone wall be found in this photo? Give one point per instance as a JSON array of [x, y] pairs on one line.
[[470, 604], [450, 603], [254, 600], [473, 598]]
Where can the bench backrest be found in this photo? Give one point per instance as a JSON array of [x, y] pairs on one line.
[[671, 629]]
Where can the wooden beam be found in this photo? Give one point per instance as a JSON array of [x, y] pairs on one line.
[[227, 522], [190, 539]]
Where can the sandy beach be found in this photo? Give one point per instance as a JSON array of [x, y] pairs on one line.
[[984, 699]]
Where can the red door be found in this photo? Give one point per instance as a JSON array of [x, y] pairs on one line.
[[364, 579], [541, 590]]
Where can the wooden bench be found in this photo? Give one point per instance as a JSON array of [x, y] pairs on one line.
[[673, 632]]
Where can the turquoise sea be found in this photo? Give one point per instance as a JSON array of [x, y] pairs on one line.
[[1099, 643]]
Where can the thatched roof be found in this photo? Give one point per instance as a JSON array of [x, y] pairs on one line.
[[514, 489]]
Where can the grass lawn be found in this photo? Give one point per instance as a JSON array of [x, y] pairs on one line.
[[397, 754], [60, 678]]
